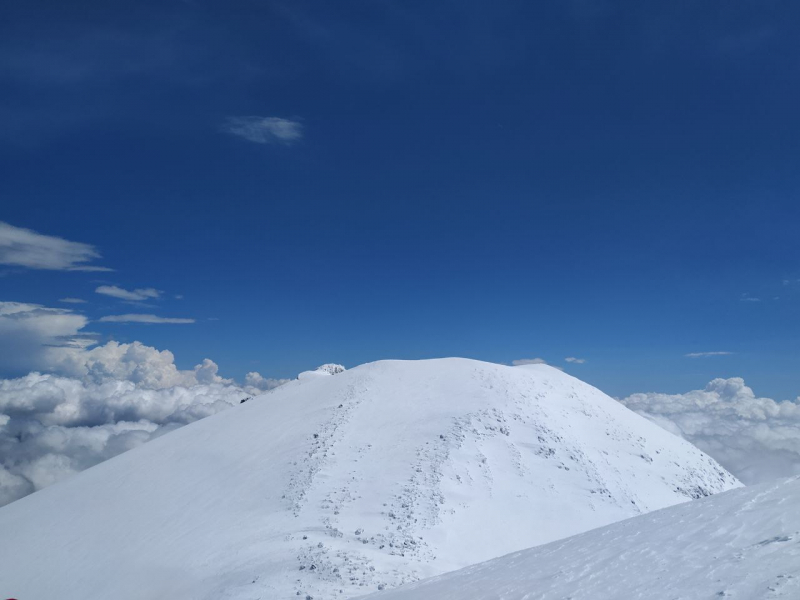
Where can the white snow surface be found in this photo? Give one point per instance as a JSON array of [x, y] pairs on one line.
[[332, 487], [742, 544]]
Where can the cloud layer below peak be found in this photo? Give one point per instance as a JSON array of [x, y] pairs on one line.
[[81, 403], [757, 439]]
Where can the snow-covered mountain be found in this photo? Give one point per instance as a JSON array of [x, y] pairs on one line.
[[342, 483], [742, 544]]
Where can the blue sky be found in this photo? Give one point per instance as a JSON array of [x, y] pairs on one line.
[[353, 181]]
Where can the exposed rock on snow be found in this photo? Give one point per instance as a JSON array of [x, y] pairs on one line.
[[742, 544], [331, 369], [332, 487], [326, 369]]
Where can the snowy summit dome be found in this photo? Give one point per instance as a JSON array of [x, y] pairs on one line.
[[334, 487]]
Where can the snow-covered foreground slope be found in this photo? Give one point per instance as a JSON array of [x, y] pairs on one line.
[[337, 485], [742, 544]]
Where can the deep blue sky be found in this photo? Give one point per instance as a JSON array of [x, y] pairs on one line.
[[604, 180]]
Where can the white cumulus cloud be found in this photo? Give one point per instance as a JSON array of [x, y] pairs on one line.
[[52, 426], [85, 403], [132, 295], [26, 248], [264, 130], [757, 439], [72, 301], [577, 361]]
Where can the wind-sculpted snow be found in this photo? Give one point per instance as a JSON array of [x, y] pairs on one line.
[[742, 544], [334, 486]]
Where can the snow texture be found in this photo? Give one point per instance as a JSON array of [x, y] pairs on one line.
[[335, 486], [742, 544]]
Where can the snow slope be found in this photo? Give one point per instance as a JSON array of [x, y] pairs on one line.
[[742, 544], [335, 485]]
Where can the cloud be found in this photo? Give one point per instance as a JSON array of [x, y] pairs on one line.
[[706, 354], [264, 130], [93, 402], [577, 361], [38, 338], [72, 301], [533, 361], [53, 427], [528, 361], [139, 318], [132, 295], [749, 299], [142, 365], [26, 248], [756, 439], [255, 381], [34, 337]]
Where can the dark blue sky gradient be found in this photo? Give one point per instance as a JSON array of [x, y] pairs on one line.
[[494, 180]]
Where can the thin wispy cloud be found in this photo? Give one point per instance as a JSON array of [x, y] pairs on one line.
[[72, 301], [706, 354], [136, 295], [577, 361], [142, 318], [26, 248], [749, 299], [264, 130]]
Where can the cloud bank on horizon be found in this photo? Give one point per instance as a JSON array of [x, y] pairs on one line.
[[83, 403], [756, 439]]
